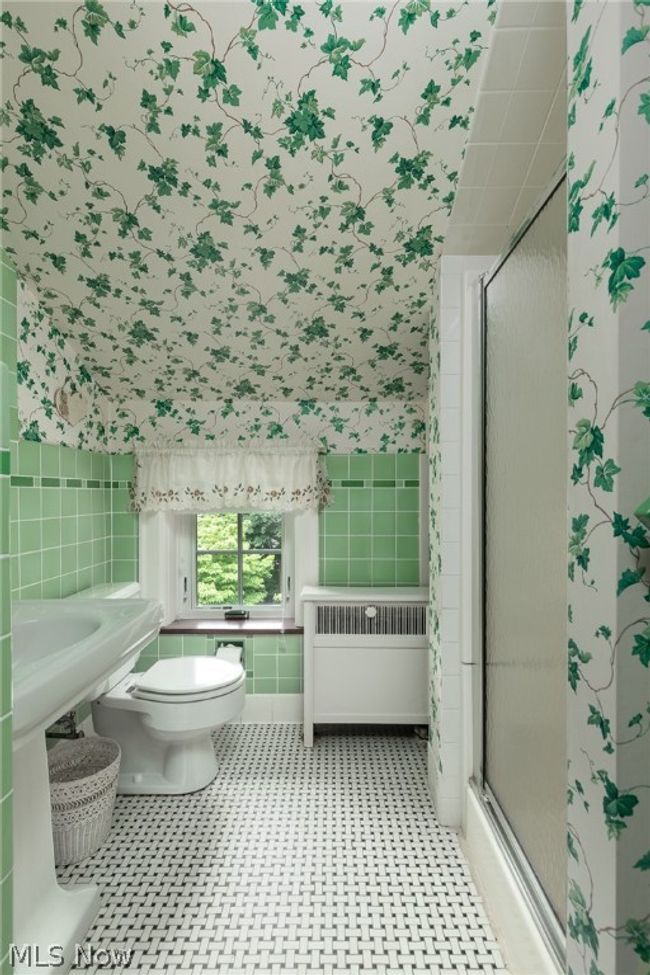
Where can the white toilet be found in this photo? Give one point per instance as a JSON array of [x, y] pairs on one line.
[[163, 717]]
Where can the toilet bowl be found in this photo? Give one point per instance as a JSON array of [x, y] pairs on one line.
[[163, 717]]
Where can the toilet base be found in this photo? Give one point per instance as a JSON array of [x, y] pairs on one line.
[[172, 768], [154, 784], [154, 763]]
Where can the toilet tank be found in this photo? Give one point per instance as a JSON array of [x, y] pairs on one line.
[[111, 590]]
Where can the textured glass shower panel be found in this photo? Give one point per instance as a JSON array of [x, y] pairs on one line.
[[525, 565]]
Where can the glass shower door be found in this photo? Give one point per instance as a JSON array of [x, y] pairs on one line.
[[524, 672]]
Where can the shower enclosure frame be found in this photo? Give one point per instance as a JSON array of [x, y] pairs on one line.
[[531, 890]]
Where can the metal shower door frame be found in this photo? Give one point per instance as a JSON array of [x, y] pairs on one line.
[[531, 890]]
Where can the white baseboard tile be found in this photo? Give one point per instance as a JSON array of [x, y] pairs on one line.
[[432, 770], [445, 793], [269, 708], [448, 810], [515, 927]]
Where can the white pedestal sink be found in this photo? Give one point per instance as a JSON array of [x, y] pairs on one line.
[[63, 651]]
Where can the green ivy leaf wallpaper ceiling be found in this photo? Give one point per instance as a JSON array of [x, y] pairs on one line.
[[237, 201]]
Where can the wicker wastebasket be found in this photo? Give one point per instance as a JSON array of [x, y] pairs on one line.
[[83, 785]]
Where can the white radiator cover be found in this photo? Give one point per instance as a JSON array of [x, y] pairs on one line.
[[365, 656]]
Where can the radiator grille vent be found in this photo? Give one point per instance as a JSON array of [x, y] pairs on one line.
[[397, 619]]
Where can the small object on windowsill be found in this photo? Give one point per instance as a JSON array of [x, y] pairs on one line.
[[236, 614]]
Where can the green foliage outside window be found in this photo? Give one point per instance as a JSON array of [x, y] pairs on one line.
[[239, 559]]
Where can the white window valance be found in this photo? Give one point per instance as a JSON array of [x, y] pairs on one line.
[[213, 479]]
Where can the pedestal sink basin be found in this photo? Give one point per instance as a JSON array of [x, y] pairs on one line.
[[63, 649], [63, 653]]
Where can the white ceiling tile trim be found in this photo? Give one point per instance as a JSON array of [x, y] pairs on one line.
[[518, 128], [503, 66]]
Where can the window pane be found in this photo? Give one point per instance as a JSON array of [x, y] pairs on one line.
[[262, 531], [216, 580], [262, 579], [216, 532]]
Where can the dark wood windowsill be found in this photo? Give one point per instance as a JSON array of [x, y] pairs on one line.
[[230, 628]]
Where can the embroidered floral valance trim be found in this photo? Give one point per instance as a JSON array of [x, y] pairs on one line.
[[213, 479]]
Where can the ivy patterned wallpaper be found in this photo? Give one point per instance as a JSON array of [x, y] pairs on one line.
[[238, 201], [59, 402], [434, 752], [609, 575], [53, 384], [57, 398], [376, 426]]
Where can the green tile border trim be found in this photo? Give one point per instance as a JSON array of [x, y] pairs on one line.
[[5, 461], [24, 480], [369, 483]]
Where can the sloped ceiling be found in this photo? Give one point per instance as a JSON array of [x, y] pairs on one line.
[[238, 199]]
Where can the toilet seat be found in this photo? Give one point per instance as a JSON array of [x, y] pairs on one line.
[[180, 680]]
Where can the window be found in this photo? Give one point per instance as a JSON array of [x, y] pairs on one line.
[[187, 561], [238, 560]]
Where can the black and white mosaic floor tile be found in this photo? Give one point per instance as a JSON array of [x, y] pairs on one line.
[[320, 861]]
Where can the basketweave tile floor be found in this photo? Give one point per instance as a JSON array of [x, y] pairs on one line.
[[309, 861]]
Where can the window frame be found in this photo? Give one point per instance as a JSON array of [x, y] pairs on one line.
[[188, 605], [239, 552]]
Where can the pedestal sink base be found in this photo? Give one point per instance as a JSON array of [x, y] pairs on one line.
[[49, 920]]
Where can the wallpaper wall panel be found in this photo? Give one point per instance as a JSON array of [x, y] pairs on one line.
[[609, 566], [58, 401], [343, 427], [236, 201], [434, 753]]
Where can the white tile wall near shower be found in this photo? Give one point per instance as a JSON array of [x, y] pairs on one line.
[[451, 424], [449, 787], [450, 493], [451, 525], [450, 592], [448, 796]]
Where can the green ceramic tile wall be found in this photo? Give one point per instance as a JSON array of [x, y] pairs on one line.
[[8, 421], [124, 523], [60, 520], [70, 526], [273, 663], [370, 533]]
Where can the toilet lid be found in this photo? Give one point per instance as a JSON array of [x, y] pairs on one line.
[[188, 675]]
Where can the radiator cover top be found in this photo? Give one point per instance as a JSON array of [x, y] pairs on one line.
[[392, 619]]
